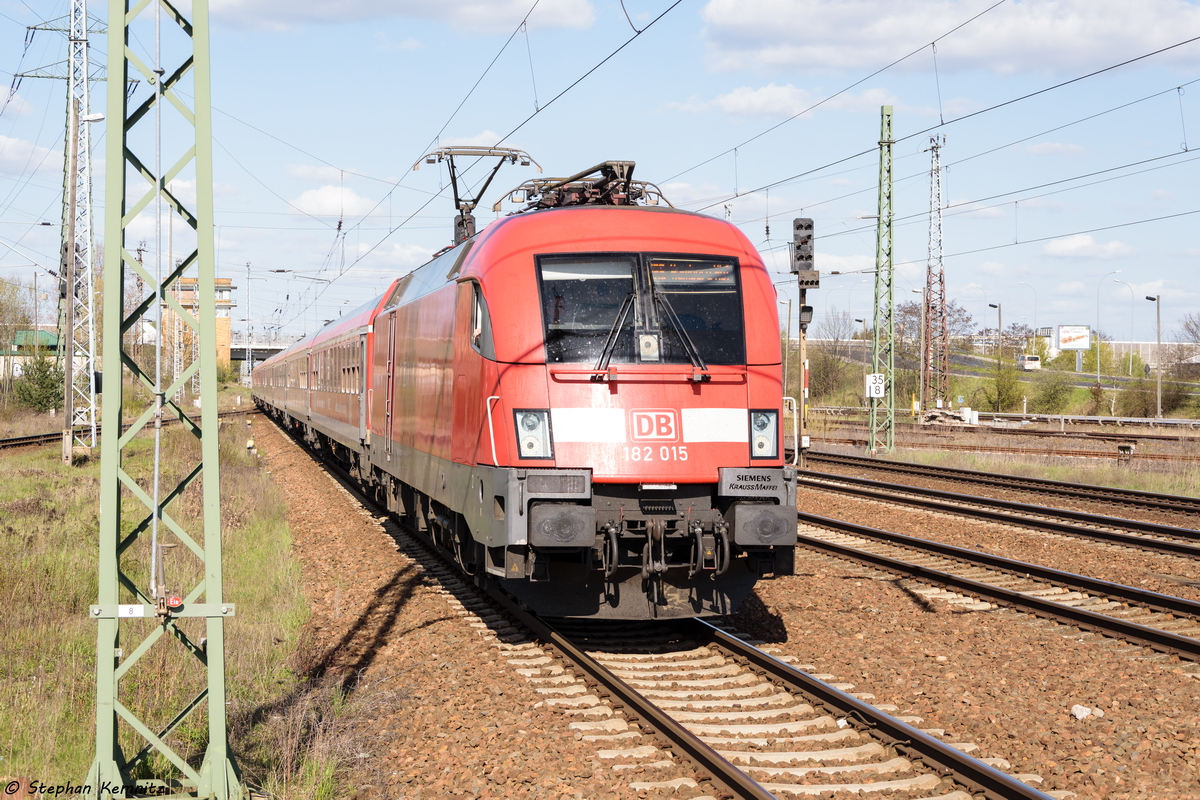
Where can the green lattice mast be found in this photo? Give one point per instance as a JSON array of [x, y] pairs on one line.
[[883, 349], [156, 136]]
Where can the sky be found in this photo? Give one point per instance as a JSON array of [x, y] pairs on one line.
[[1071, 136]]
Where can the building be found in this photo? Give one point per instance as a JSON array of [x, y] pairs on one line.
[[179, 336]]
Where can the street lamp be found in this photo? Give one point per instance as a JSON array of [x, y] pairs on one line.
[[923, 372], [1098, 285], [1157, 300], [1023, 283], [999, 347], [1132, 300]]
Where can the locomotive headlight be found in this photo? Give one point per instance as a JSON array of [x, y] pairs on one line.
[[764, 434], [533, 433]]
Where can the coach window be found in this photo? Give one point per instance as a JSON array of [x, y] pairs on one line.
[[481, 325]]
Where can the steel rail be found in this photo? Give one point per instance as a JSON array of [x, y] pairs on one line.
[[1168, 502], [718, 767], [1166, 603], [1023, 451], [1020, 514], [1153, 638], [971, 772]]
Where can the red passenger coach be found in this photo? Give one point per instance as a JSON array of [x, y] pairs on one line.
[[582, 402]]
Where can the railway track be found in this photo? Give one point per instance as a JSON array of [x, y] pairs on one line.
[[1138, 534], [673, 702], [1023, 451], [1165, 623], [56, 437], [1003, 430], [1100, 494]]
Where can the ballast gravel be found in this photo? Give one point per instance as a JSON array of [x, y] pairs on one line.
[[1005, 681], [439, 712]]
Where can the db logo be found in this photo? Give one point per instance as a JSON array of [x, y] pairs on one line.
[[655, 425]]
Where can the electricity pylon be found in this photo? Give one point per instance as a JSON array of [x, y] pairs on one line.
[[76, 319], [148, 146], [883, 345], [935, 355]]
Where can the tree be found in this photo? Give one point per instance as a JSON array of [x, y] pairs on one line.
[[829, 370], [1003, 392], [1189, 328], [1053, 392], [40, 386], [16, 313]]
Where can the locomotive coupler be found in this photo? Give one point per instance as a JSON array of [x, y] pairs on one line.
[[654, 554], [704, 550], [610, 548], [721, 549]]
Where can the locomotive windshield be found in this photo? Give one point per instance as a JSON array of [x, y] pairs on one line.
[[628, 309]]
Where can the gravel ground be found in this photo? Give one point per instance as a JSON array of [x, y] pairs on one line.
[[1000, 679], [439, 713], [1160, 573]]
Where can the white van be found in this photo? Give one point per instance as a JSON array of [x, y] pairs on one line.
[[1028, 363]]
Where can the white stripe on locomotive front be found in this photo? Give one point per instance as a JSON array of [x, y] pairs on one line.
[[609, 425]]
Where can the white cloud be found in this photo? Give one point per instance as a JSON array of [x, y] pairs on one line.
[[1054, 149], [1082, 245], [828, 262], [487, 16], [16, 106], [774, 100], [387, 259], [311, 172], [993, 268], [331, 201], [386, 44], [1070, 288], [485, 139], [1030, 36], [18, 156], [967, 208]]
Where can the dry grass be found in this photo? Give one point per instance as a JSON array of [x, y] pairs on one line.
[[48, 548]]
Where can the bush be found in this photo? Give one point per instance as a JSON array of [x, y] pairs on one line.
[[1003, 392], [1053, 392], [1137, 399], [40, 386]]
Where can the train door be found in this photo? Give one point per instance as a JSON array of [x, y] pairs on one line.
[[471, 329], [359, 373], [389, 402]]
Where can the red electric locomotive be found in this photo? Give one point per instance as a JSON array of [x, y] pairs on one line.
[[582, 401]]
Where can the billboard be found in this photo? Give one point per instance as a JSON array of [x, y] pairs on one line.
[[1074, 337]]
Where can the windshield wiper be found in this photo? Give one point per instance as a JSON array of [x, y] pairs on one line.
[[689, 347], [610, 343]]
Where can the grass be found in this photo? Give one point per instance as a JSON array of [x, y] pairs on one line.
[[284, 727]]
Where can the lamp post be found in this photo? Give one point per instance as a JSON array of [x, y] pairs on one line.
[[999, 347], [1132, 300], [1023, 283], [1157, 300], [923, 372], [1098, 285]]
